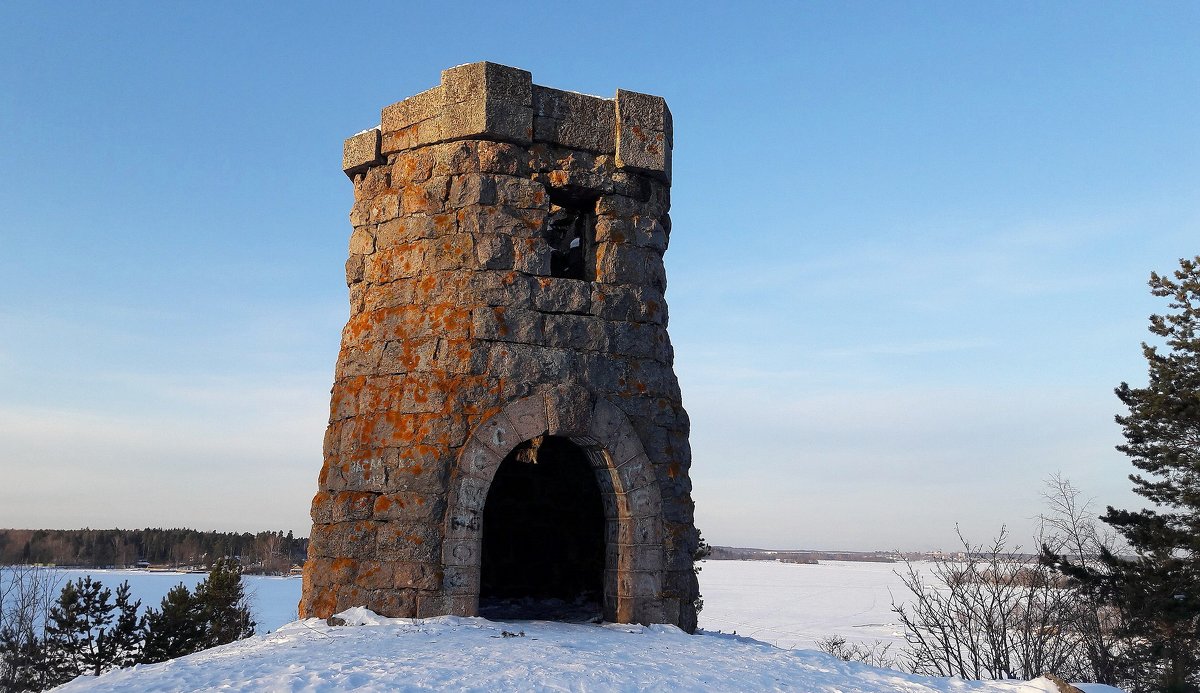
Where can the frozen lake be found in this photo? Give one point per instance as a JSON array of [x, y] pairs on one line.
[[272, 599], [793, 605], [788, 605]]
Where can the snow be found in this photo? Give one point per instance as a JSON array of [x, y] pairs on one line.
[[794, 605], [774, 607], [473, 654]]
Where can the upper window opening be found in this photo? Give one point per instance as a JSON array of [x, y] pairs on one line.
[[570, 231]]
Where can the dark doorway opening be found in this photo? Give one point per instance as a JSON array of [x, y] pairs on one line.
[[543, 536]]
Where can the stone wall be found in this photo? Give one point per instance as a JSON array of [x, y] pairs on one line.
[[470, 333]]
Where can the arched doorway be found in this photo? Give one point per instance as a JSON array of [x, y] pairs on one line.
[[634, 572], [543, 549]]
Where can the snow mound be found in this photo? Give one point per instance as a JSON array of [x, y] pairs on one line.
[[474, 654]]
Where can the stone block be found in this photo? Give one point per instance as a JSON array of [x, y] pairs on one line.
[[649, 611], [464, 523], [373, 575], [408, 505], [407, 356], [366, 475], [531, 256], [487, 119], [568, 410], [322, 507], [408, 542], [475, 81], [498, 434], [604, 480], [392, 603], [623, 263], [461, 552], [418, 576], [630, 303], [524, 223], [406, 230], [562, 295], [639, 584], [460, 580], [361, 152], [581, 332], [574, 120], [478, 459], [503, 324], [644, 134], [500, 288], [352, 505], [472, 493], [451, 252], [415, 109], [647, 530], [644, 502], [487, 100], [415, 166], [349, 596], [493, 251], [635, 474], [503, 158], [521, 193], [428, 197], [472, 189], [602, 371], [528, 416], [638, 339], [349, 539], [462, 605], [413, 122], [430, 604]]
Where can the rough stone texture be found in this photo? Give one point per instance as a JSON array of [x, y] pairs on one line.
[[644, 133], [464, 341], [360, 152]]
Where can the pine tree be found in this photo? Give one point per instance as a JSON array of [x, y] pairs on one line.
[[1157, 591], [124, 640], [80, 638], [175, 629], [215, 614], [23, 663], [224, 605]]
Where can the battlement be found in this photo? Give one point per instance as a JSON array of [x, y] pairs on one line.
[[487, 101]]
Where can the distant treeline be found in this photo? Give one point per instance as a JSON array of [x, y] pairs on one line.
[[99, 548], [733, 553]]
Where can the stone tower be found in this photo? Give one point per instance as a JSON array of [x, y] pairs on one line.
[[505, 421]]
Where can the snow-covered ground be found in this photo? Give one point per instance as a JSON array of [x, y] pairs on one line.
[[774, 607], [372, 653]]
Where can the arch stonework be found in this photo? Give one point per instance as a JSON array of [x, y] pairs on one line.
[[634, 550]]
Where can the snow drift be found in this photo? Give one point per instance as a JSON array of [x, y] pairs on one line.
[[373, 653]]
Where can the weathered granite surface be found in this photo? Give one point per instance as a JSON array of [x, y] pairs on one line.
[[462, 342]]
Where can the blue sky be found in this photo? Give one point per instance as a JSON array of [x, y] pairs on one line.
[[907, 267]]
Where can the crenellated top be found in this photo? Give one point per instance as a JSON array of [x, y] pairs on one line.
[[494, 102]]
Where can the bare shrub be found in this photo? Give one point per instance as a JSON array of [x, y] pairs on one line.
[[997, 613], [27, 594], [876, 654]]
